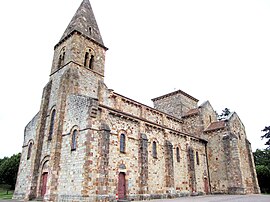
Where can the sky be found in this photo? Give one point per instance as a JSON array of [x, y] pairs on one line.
[[216, 50]]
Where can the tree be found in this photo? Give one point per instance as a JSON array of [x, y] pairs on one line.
[[9, 169], [262, 157], [266, 135], [225, 113], [263, 174], [262, 162]]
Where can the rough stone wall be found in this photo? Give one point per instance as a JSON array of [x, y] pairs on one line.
[[192, 125], [36, 156], [71, 180], [156, 164], [208, 114], [169, 168], [200, 166], [217, 162], [127, 161], [24, 173], [246, 162], [143, 164], [76, 46], [176, 105]]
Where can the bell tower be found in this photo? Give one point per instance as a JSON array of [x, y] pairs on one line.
[[81, 47]]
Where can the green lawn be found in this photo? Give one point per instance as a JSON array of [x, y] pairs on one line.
[[4, 195]]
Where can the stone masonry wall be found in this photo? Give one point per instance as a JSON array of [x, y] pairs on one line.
[[176, 105], [24, 173]]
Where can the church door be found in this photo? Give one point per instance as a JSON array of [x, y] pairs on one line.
[[44, 184], [121, 186]]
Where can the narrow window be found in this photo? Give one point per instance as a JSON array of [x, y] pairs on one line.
[[74, 140], [29, 150], [154, 149], [197, 158], [59, 61], [86, 58], [122, 143], [177, 154], [91, 62], [90, 30], [63, 59], [51, 124]]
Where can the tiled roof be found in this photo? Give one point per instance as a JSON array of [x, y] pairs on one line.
[[175, 93], [191, 112], [215, 126]]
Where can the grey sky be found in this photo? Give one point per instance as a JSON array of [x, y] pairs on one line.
[[213, 50]]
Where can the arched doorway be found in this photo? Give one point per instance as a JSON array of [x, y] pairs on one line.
[[44, 179], [122, 185], [44, 184]]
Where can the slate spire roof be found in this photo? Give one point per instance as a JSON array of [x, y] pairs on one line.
[[84, 22]]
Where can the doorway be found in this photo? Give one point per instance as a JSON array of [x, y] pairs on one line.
[[44, 184], [122, 185]]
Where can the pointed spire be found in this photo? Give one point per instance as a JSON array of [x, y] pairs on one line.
[[84, 22]]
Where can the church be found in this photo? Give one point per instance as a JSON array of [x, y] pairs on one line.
[[90, 143]]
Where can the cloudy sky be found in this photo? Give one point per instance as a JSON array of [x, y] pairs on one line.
[[213, 49]]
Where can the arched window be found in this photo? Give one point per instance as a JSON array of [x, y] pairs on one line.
[[88, 59], [29, 150], [91, 62], [74, 140], [59, 61], [177, 154], [61, 58], [154, 149], [52, 124], [197, 158], [122, 143]]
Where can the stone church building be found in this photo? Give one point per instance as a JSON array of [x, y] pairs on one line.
[[89, 143]]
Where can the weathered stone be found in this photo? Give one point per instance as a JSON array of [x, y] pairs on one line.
[[215, 156]]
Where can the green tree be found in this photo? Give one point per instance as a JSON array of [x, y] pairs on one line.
[[266, 135], [3, 160], [9, 169], [263, 174], [225, 113], [262, 162]]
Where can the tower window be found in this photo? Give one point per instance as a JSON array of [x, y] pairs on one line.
[[177, 154], [154, 149], [90, 30], [51, 124], [74, 140], [197, 158], [91, 62], [122, 143], [59, 61], [61, 58], [88, 59], [29, 150]]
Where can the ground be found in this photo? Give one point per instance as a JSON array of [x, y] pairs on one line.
[[209, 198]]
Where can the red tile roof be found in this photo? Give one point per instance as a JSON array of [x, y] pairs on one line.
[[191, 112], [215, 126]]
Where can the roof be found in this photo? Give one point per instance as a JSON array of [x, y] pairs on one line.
[[175, 93], [215, 126], [191, 112], [84, 22]]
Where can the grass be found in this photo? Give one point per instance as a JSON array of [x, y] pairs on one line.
[[4, 195]]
